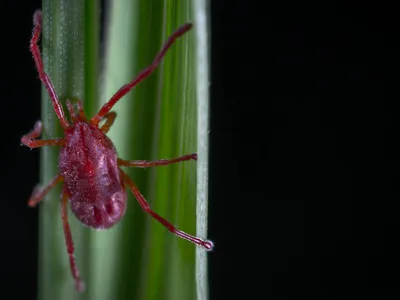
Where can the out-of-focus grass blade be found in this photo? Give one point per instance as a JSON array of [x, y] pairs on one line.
[[71, 62]]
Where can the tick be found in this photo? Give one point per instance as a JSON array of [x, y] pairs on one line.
[[89, 168]]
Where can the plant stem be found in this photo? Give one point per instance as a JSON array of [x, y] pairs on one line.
[[64, 49], [202, 83]]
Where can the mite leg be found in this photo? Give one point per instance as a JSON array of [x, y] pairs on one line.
[[206, 244], [29, 138], [161, 162], [81, 112], [37, 20], [39, 194], [142, 75], [71, 111], [69, 243], [110, 118]]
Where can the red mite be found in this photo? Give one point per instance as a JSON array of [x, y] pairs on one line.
[[88, 162]]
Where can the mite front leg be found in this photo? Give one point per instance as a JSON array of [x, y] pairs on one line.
[[81, 112], [39, 194], [206, 244], [161, 162], [71, 111], [37, 30], [69, 243], [110, 118], [142, 75], [29, 138]]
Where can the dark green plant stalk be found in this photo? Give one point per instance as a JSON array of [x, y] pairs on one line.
[[70, 59]]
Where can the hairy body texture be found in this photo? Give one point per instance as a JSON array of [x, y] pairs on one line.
[[91, 176]]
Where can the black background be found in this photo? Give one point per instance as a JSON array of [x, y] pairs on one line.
[[304, 151]]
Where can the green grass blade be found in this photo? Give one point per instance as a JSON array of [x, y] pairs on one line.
[[138, 258], [202, 83], [65, 53], [174, 190]]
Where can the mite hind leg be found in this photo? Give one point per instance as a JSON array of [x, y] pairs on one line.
[[29, 139], [38, 194], [155, 163], [206, 244], [69, 242]]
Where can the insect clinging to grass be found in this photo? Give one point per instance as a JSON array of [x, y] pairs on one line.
[[89, 168]]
